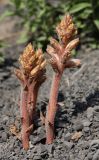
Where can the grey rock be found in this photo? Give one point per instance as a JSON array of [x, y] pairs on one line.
[[67, 137], [93, 142], [96, 117], [96, 155], [71, 156], [17, 150], [90, 112], [59, 147], [86, 123], [4, 136], [56, 155], [50, 148], [68, 145], [39, 138], [78, 126], [86, 129], [96, 108], [37, 157], [5, 119], [41, 130], [60, 133], [11, 147], [90, 156], [96, 113], [61, 124], [41, 149]]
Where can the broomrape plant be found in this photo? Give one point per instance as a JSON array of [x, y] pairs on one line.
[[32, 74], [60, 53]]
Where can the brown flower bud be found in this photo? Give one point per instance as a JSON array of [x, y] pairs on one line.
[[72, 44], [19, 74]]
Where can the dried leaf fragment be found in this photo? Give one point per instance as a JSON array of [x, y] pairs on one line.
[[76, 136], [15, 132]]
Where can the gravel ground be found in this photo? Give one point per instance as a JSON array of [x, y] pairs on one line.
[[77, 120]]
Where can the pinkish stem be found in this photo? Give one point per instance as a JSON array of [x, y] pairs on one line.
[[52, 108], [32, 98], [24, 118]]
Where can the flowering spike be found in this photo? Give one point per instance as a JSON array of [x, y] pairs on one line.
[[66, 29]]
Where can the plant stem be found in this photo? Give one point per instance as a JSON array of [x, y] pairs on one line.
[[33, 92], [24, 118], [52, 108]]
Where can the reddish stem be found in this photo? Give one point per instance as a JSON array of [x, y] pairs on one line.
[[32, 98], [24, 118], [52, 108]]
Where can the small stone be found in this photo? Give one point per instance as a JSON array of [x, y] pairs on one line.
[[68, 145], [35, 140], [17, 150], [96, 155], [4, 136], [30, 144], [89, 156], [71, 156], [60, 124], [41, 130], [11, 147], [67, 137], [96, 113], [96, 108], [78, 126], [50, 148], [59, 147], [90, 112], [5, 119], [60, 133], [41, 149], [86, 123], [86, 129], [37, 157], [96, 117], [93, 142]]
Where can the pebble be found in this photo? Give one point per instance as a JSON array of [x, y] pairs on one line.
[[67, 137], [96, 108], [37, 157], [90, 112], [96, 113], [86, 123], [60, 133], [93, 142], [96, 155], [35, 140], [5, 119], [78, 126], [50, 148], [61, 124], [68, 145], [4, 136], [86, 129], [41, 149]]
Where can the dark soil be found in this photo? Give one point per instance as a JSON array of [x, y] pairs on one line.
[[78, 112]]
